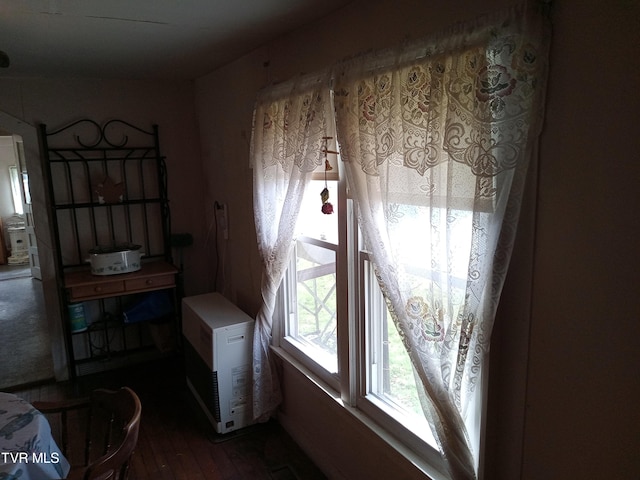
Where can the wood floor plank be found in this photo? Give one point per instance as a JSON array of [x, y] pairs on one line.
[[202, 454], [144, 463]]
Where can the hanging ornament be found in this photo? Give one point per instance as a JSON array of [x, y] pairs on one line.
[[327, 208]]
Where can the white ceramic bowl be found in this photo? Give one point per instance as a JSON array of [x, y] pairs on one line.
[[115, 260]]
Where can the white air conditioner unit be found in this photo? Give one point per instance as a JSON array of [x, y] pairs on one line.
[[219, 338]]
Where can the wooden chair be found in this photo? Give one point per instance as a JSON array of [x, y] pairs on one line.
[[97, 435]]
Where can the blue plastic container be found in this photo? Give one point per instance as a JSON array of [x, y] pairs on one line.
[[77, 318]]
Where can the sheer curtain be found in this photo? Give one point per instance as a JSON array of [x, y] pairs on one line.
[[436, 138], [290, 121]]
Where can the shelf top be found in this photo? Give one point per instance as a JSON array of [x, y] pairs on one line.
[[150, 269]]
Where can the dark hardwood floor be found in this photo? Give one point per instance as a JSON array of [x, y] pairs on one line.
[[176, 440]]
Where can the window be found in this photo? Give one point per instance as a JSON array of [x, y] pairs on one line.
[[310, 289], [15, 189]]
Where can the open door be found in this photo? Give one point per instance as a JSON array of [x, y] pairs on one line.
[[34, 260]]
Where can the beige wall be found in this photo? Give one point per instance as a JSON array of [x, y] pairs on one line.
[[582, 420], [564, 358]]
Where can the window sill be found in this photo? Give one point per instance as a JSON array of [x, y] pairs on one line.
[[431, 466], [320, 365]]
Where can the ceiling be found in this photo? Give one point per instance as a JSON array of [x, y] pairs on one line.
[[145, 39]]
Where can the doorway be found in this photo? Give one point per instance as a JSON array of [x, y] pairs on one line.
[[31, 339]]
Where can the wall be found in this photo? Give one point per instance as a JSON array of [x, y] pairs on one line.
[[582, 420], [564, 357], [57, 102]]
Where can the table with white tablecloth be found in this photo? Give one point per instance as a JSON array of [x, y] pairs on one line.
[[27, 449]]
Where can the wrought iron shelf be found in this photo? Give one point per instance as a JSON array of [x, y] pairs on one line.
[[107, 185]]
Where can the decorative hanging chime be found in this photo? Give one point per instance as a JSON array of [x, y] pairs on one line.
[[327, 208]]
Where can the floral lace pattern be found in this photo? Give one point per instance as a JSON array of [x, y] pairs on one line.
[[436, 138], [290, 121]]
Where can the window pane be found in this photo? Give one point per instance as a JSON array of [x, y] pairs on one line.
[[391, 374], [400, 385], [314, 323]]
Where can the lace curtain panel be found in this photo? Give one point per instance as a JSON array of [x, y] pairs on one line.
[[289, 123], [436, 139]]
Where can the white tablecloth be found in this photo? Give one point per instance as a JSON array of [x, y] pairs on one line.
[[27, 449]]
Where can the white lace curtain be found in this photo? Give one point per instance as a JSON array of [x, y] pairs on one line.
[[436, 138], [289, 123]]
